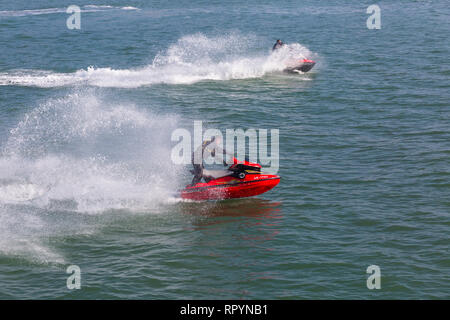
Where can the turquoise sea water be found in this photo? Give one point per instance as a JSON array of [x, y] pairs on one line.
[[86, 118]]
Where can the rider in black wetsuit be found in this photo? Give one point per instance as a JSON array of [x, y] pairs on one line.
[[198, 168], [277, 45]]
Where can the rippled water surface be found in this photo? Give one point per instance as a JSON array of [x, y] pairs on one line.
[[86, 118]]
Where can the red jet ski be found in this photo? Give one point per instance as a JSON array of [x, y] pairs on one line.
[[302, 65], [242, 179]]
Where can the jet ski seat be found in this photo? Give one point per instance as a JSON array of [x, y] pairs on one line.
[[215, 174]]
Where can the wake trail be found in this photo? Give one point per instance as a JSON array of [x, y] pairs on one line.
[[191, 59], [83, 9]]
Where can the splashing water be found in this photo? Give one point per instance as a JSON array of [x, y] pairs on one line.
[[191, 59], [64, 147], [81, 156]]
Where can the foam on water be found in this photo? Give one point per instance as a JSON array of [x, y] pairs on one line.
[[191, 59], [81, 155], [84, 9], [23, 234]]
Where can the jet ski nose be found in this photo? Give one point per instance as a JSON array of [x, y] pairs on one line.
[[306, 65]]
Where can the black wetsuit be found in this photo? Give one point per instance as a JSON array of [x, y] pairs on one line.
[[198, 168], [277, 45]]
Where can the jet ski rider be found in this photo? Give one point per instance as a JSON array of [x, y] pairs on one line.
[[208, 145], [277, 45]]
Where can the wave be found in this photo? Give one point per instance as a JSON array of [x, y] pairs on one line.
[[191, 59], [64, 146], [81, 156], [86, 8]]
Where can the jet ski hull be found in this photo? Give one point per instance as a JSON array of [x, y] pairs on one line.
[[231, 187], [304, 66]]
